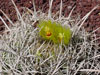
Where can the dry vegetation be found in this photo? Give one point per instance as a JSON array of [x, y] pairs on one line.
[[24, 52]]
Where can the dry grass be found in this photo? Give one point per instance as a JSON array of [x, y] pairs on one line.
[[23, 52]]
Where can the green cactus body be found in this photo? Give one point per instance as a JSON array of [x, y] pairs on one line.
[[54, 31]]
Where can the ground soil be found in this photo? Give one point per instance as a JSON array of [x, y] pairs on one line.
[[82, 7]]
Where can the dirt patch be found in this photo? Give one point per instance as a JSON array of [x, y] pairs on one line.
[[8, 8]]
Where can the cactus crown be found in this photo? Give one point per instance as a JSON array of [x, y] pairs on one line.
[[54, 31]]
